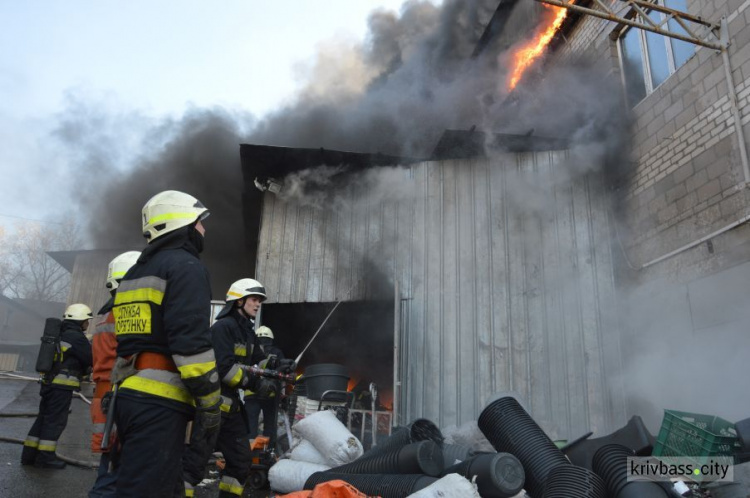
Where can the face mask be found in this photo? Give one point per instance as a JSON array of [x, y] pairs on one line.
[[265, 341], [195, 238]]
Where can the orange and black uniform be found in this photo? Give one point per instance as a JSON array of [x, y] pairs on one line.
[[104, 349], [71, 362], [161, 311], [234, 344]]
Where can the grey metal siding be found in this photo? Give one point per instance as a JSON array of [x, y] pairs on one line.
[[505, 275]]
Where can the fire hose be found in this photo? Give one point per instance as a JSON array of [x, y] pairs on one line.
[[72, 461], [36, 379], [270, 374]]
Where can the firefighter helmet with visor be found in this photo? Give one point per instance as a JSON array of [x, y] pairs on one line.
[[169, 210], [78, 312], [245, 287], [264, 331], [119, 266]]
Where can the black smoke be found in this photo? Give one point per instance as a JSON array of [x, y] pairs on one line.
[[412, 78]]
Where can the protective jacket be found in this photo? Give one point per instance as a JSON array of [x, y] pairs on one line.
[[104, 348], [162, 306], [235, 346], [73, 359]]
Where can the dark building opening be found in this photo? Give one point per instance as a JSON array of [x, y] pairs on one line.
[[358, 335]]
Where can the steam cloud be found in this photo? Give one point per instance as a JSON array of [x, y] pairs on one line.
[[396, 93]]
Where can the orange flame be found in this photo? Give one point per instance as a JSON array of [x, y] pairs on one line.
[[525, 55]]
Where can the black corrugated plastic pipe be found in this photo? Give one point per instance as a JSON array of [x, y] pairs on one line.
[[420, 429], [499, 475], [383, 485], [510, 429], [455, 453], [569, 481], [423, 457], [611, 463]]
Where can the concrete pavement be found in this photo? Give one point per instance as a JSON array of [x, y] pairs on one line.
[[17, 481]]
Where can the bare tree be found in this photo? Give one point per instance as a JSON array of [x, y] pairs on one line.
[[26, 270]]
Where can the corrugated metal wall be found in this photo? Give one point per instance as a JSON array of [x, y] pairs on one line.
[[505, 275]]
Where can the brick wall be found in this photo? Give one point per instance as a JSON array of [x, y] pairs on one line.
[[687, 180]]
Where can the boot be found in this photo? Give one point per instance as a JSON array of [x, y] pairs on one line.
[[28, 455], [48, 460]]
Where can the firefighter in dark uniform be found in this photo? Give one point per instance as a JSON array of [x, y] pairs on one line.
[[165, 373], [264, 399], [71, 363], [235, 346]]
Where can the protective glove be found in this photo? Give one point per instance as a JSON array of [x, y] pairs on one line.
[[206, 427], [287, 365], [268, 388]]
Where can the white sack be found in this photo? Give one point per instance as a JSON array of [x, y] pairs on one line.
[[330, 437], [304, 451], [288, 476], [450, 486]]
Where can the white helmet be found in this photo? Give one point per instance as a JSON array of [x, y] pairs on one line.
[[78, 312], [169, 210], [264, 331], [119, 266], [245, 287]]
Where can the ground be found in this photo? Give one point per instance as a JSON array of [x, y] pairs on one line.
[[18, 481]]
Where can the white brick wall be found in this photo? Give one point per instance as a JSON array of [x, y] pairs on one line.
[[689, 141]]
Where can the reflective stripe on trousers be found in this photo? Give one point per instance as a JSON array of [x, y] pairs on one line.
[[31, 442], [47, 445], [63, 379], [231, 485]]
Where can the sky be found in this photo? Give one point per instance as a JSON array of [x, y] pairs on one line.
[[142, 62]]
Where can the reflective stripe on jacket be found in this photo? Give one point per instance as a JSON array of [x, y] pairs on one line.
[[162, 305], [234, 342]]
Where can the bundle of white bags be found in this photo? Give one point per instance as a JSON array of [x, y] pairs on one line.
[[321, 442]]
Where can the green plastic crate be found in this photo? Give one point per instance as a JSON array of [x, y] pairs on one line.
[[693, 434]]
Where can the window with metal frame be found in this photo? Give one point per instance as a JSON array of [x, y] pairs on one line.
[[648, 59]]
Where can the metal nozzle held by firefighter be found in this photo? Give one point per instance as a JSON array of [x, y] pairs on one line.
[[270, 374]]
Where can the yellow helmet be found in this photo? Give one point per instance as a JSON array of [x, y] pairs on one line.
[[78, 312], [169, 210], [119, 266], [264, 331], [245, 287]]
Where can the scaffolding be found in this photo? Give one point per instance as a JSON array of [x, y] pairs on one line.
[[696, 30], [634, 13]]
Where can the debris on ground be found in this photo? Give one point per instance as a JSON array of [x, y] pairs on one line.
[[504, 454]]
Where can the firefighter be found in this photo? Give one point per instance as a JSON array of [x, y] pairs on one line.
[[264, 399], [104, 350], [165, 372], [72, 361], [236, 347]]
